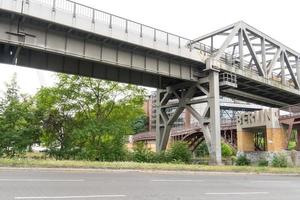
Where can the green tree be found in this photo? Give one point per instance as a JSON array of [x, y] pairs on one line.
[[140, 124], [88, 118], [19, 128]]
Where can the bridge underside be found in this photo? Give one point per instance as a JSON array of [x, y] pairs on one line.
[[254, 92], [77, 66], [29, 42]]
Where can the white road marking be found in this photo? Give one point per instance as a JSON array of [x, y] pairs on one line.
[[235, 193], [271, 181], [41, 180], [176, 180], [74, 197]]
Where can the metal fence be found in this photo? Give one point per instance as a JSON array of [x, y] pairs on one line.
[[111, 20], [141, 30]]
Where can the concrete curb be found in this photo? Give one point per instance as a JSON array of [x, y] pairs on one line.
[[91, 170]]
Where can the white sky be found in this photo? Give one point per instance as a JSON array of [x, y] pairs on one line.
[[189, 18]]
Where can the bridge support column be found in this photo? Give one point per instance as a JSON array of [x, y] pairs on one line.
[[164, 121], [180, 97], [215, 130]]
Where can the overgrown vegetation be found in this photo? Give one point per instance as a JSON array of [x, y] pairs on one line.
[[202, 150], [280, 160], [242, 160], [262, 162], [177, 153], [77, 118]]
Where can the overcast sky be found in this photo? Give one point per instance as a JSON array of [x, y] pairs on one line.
[[190, 18]]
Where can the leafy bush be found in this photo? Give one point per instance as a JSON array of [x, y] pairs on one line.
[[280, 160], [233, 159], [142, 154], [226, 150], [263, 162], [180, 152], [161, 157], [242, 160], [292, 145], [202, 150]]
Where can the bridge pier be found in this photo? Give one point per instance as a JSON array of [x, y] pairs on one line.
[[183, 96], [215, 130]]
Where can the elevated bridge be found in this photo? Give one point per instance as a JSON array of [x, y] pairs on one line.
[[193, 135], [237, 61]]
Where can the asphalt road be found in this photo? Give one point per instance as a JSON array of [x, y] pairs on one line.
[[132, 185]]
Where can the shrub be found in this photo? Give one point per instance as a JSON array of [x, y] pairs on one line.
[[226, 150], [180, 152], [280, 160], [202, 150], [142, 154], [263, 162], [233, 159], [161, 157], [242, 160]]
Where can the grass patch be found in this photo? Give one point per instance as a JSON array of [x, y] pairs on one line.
[[142, 166]]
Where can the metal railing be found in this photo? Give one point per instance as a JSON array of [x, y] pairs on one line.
[[289, 111], [128, 26], [142, 30]]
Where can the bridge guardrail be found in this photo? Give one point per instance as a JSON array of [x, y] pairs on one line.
[[112, 20], [140, 30]]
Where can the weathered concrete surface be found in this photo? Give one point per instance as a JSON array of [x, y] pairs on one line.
[[267, 121]]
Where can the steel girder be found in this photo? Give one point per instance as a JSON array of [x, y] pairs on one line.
[[206, 90], [248, 48]]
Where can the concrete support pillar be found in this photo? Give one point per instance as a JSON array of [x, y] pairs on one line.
[[214, 98]]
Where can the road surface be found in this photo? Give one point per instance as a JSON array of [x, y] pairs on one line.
[[43, 184]]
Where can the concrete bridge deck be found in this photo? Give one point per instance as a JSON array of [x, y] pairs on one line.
[[63, 36]]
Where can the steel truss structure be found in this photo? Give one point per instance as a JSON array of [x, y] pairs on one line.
[[248, 48], [207, 91]]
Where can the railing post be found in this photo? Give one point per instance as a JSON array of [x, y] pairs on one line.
[[191, 45], [110, 21], [141, 30], [179, 45], [154, 35], [74, 10], [93, 16], [126, 26], [54, 6], [167, 38]]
